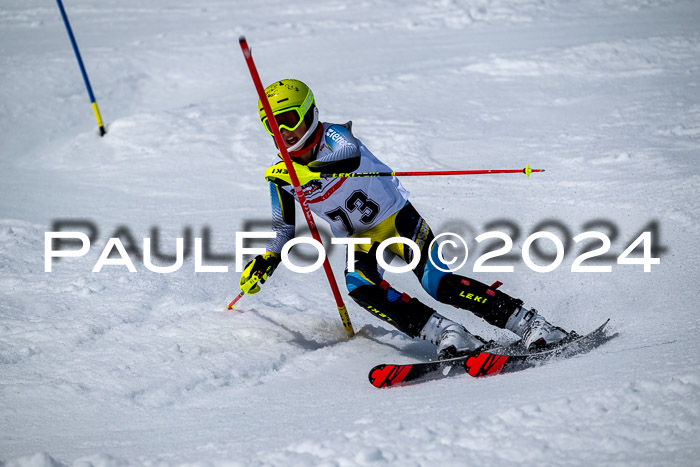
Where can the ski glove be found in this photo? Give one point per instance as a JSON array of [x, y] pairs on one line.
[[278, 174], [259, 269]]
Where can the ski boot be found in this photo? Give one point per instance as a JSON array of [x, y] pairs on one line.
[[452, 339], [536, 332]]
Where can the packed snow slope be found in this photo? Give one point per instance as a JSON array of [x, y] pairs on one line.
[[140, 368]]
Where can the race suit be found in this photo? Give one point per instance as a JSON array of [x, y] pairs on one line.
[[378, 208]]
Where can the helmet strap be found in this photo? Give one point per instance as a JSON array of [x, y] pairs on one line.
[[300, 144], [313, 142]]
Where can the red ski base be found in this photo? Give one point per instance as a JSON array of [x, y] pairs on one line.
[[482, 363]]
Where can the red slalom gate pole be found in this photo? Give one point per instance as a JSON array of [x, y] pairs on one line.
[[295, 182]]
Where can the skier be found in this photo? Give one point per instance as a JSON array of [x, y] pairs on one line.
[[376, 208]]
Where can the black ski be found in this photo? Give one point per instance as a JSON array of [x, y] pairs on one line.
[[485, 362]]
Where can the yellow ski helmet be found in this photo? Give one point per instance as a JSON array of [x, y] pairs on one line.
[[290, 100]]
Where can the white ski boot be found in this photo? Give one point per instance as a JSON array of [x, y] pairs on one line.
[[536, 332], [452, 339]]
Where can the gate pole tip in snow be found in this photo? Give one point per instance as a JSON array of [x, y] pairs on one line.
[[345, 318]]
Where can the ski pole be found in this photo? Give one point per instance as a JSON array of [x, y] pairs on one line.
[[233, 302], [93, 102], [295, 182], [527, 171], [319, 175]]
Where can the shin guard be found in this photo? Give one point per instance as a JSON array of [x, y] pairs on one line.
[[407, 314], [484, 301]]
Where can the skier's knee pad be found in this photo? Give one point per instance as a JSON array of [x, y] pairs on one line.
[[407, 314], [356, 279], [484, 301], [366, 270]]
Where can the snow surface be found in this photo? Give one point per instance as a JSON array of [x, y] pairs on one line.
[[117, 368]]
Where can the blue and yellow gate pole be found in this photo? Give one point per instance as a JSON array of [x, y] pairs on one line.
[[95, 109]]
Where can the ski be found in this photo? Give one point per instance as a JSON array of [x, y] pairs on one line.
[[505, 359]]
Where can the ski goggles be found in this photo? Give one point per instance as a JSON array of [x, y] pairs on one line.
[[287, 119]]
